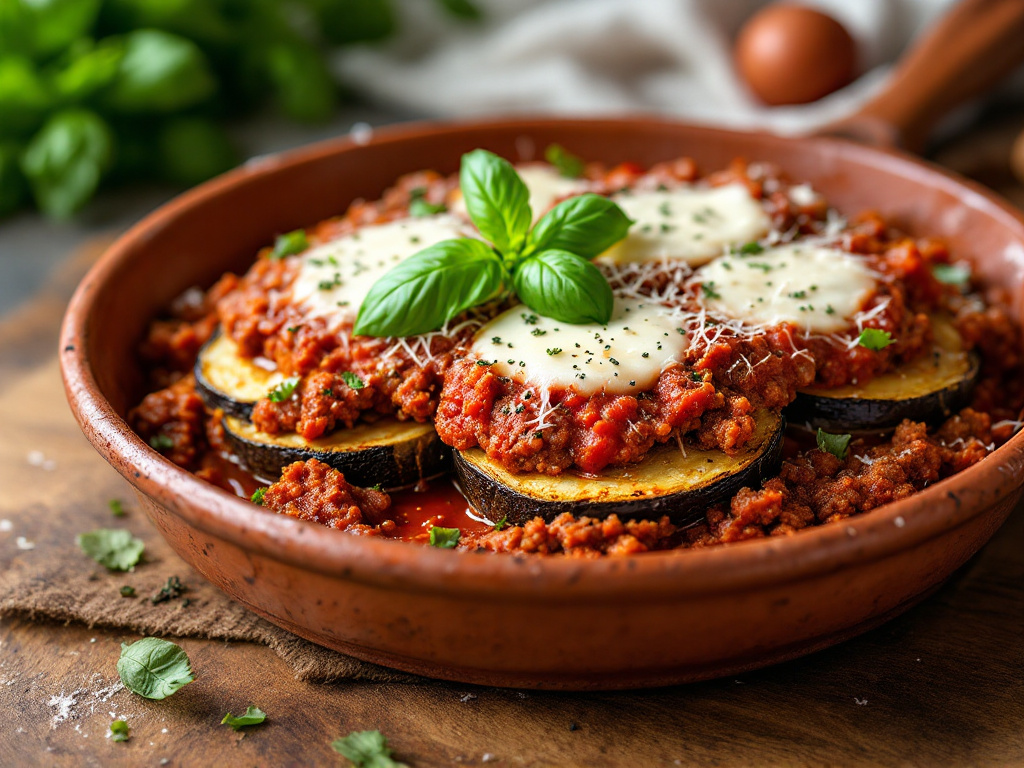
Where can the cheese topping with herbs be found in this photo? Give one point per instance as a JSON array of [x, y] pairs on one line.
[[626, 355], [335, 277], [692, 224], [545, 184], [816, 288]]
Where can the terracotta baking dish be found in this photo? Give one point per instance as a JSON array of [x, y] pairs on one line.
[[649, 620]]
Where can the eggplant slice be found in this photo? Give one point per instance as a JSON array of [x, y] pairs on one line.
[[929, 388], [389, 452], [666, 482], [226, 380]]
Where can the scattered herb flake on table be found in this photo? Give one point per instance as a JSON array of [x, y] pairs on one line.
[[366, 749], [114, 548], [253, 716], [119, 731]]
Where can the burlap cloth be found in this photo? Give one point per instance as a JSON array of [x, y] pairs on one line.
[[54, 486]]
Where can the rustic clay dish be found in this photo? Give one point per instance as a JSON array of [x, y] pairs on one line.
[[528, 621]]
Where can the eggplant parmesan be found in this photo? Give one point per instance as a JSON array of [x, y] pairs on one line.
[[609, 361]]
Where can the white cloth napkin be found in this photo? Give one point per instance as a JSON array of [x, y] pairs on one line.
[[595, 57]]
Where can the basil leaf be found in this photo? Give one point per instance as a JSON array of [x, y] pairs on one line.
[[586, 225], [88, 68], [154, 668], [565, 162], [25, 96], [429, 288], [57, 23], [462, 9], [193, 149], [366, 749], [565, 287], [444, 538], [114, 548], [13, 188], [837, 445], [119, 731], [496, 199], [252, 716], [874, 339], [160, 72], [304, 88], [952, 274], [66, 159]]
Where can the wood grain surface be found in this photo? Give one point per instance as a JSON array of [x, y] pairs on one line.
[[942, 685]]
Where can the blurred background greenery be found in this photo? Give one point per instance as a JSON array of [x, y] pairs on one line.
[[104, 92]]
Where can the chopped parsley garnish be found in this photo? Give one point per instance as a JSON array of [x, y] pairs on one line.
[[749, 249], [530, 319], [664, 209], [566, 163], [645, 354], [613, 361], [829, 310], [353, 381], [482, 363], [952, 274], [538, 332], [420, 207], [113, 548], [709, 290], [116, 508], [154, 668], [257, 496], [127, 591], [554, 350], [837, 445], [874, 339], [366, 749], [495, 339], [161, 442], [501, 523], [119, 731], [444, 538], [284, 390], [289, 244], [253, 716]]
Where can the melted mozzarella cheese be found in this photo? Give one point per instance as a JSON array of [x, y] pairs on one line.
[[626, 355], [691, 224], [546, 186], [335, 277], [816, 288]]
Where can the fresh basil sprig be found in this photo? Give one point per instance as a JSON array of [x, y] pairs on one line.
[[548, 266]]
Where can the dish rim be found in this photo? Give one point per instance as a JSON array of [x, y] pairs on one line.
[[384, 563]]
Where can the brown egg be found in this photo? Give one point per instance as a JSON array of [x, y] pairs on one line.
[[789, 54]]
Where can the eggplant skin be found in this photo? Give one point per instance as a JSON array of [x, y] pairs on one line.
[[665, 482], [226, 380], [391, 453], [928, 389]]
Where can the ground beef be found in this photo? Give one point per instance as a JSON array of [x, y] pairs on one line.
[[173, 421], [812, 488], [313, 491], [514, 426], [576, 537]]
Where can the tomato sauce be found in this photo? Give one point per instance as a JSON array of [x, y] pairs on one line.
[[414, 512]]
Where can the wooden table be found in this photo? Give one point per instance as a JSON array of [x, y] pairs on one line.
[[942, 685]]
